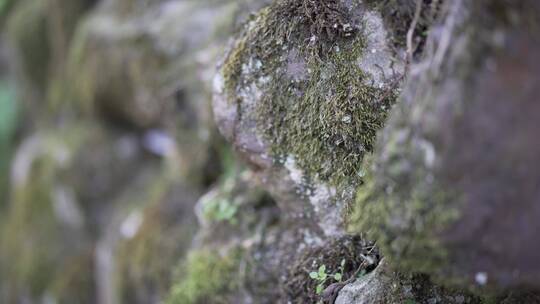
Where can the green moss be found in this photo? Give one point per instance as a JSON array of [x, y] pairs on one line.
[[41, 32], [75, 282], [328, 118], [32, 260], [144, 261], [206, 277], [405, 224], [340, 118], [232, 67], [133, 66], [34, 246]]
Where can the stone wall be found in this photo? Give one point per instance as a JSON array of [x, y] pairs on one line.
[[259, 151]]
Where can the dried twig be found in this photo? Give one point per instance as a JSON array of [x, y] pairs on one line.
[[410, 34]]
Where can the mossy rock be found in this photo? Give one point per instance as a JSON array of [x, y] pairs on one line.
[[151, 68], [76, 281], [148, 74], [301, 94], [43, 227], [437, 200], [161, 241], [40, 32], [300, 82]]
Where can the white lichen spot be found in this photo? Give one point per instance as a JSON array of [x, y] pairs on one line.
[[481, 278], [66, 208], [159, 143], [295, 173], [218, 84], [131, 225], [429, 153]]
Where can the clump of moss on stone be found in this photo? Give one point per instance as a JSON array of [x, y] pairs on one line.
[[233, 66], [145, 259], [206, 277], [41, 33], [77, 280], [396, 219], [32, 260], [326, 118], [37, 246], [115, 93]]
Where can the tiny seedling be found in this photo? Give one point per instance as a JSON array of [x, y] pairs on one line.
[[221, 210], [321, 276]]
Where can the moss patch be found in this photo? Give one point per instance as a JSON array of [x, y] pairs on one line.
[[324, 114], [161, 241], [76, 282], [41, 32], [37, 247], [32, 260], [397, 219], [205, 277], [132, 66]]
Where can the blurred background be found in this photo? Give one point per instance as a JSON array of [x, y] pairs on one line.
[[107, 144]]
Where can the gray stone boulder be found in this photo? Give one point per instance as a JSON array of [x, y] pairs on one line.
[[454, 191]]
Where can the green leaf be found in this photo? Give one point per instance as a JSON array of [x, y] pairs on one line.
[[320, 288], [323, 276], [322, 269], [338, 276], [343, 263], [313, 275]]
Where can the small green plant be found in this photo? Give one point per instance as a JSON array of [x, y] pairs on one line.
[[220, 210], [321, 276]]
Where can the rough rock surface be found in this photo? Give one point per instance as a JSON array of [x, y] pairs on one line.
[[453, 192], [370, 289]]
